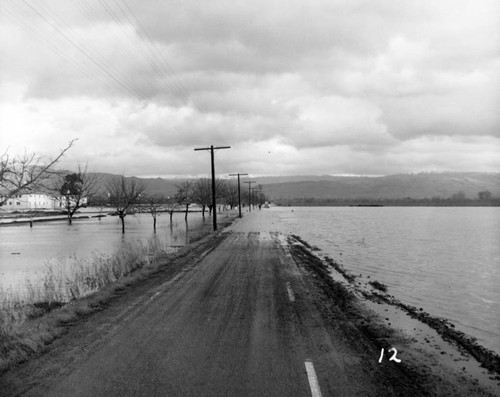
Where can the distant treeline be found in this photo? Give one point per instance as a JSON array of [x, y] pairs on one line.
[[406, 202]]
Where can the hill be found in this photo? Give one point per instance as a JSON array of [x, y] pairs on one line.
[[415, 186], [154, 186], [401, 186]]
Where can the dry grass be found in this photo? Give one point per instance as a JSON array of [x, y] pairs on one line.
[[62, 284]]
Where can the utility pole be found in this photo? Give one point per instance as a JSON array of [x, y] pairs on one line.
[[239, 195], [253, 192], [214, 207], [249, 197]]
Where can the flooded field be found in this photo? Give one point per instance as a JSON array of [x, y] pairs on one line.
[[445, 260], [25, 252]]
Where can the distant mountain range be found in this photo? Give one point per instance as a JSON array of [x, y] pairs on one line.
[[415, 186], [154, 186], [401, 186]]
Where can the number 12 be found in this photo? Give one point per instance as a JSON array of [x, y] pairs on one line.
[[393, 357]]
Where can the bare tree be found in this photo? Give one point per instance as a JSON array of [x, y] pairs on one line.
[[185, 195], [26, 172], [123, 193], [170, 206], [245, 197], [153, 204], [76, 189], [231, 195], [202, 191], [220, 189]]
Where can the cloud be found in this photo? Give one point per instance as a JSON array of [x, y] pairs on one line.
[[326, 86], [336, 120]]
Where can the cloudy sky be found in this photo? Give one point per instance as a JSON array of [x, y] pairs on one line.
[[364, 87]]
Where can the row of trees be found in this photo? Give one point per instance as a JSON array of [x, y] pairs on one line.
[[199, 191], [30, 173], [127, 194]]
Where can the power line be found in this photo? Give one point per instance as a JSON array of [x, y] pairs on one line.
[[157, 66], [162, 61], [41, 36], [132, 38], [138, 46], [123, 49], [82, 48]]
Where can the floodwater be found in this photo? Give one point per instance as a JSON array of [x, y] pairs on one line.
[[443, 259], [25, 252]]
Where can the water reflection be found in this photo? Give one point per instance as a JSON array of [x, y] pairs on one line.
[[444, 259], [25, 251]]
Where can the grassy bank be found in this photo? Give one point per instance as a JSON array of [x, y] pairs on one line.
[[33, 319], [23, 329]]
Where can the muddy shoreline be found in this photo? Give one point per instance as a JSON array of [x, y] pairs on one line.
[[488, 358], [346, 295]]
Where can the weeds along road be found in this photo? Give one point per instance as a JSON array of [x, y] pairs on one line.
[[242, 318]]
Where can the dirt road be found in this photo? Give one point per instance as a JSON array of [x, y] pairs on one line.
[[242, 317]]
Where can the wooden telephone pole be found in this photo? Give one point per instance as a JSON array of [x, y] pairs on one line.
[[249, 195], [214, 207], [253, 192], [239, 194]]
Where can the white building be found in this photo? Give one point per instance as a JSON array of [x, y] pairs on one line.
[[32, 201], [36, 201]]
